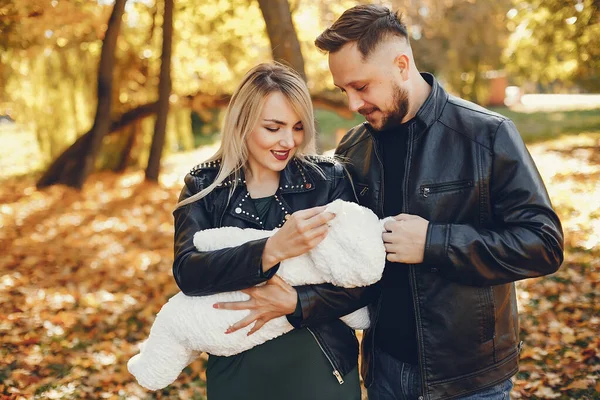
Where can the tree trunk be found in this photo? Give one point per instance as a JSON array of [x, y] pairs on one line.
[[73, 171], [164, 92], [282, 34], [65, 161], [126, 152], [475, 84], [196, 101]]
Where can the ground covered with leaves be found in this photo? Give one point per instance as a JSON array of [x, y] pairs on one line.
[[83, 274]]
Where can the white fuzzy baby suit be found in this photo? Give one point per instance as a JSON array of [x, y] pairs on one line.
[[351, 255]]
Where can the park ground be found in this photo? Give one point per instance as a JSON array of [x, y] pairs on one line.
[[83, 274]]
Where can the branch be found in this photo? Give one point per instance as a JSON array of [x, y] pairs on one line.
[[197, 101]]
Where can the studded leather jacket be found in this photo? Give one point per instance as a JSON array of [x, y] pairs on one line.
[[491, 224], [203, 273]]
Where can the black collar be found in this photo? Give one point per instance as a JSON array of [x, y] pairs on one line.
[[293, 179], [430, 110]]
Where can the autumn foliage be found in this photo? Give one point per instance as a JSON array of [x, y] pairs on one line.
[[84, 273]]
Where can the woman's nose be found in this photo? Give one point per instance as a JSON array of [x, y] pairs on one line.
[[287, 138]]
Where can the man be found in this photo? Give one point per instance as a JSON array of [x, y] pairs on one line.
[[471, 212]]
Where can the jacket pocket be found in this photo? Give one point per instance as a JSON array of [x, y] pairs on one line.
[[361, 190], [427, 190], [364, 195]]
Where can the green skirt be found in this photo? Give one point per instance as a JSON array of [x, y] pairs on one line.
[[290, 367]]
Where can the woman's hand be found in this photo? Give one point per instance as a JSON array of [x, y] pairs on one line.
[[302, 231], [272, 300]]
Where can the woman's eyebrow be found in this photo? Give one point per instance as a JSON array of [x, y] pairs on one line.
[[275, 120]]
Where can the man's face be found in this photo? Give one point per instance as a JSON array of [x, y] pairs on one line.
[[372, 85]]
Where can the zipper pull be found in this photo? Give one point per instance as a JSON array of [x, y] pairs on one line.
[[425, 191], [338, 376]]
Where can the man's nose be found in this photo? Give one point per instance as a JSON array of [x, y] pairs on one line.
[[355, 103]]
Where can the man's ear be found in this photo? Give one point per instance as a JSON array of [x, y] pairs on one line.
[[402, 62]]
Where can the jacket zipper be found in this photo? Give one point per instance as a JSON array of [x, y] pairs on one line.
[[380, 205], [412, 278], [381, 176], [336, 373], [444, 187], [411, 267], [224, 211]]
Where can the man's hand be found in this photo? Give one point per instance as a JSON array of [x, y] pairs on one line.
[[405, 239], [272, 300]]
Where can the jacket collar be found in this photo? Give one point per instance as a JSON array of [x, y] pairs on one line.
[[242, 207], [293, 179], [430, 110]]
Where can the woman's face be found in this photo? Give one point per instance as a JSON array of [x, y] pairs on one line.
[[277, 136]]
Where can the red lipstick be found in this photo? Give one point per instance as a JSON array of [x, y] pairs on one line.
[[281, 155]]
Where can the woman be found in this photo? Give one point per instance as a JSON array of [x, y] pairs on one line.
[[261, 177]]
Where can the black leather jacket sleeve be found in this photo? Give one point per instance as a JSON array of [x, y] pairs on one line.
[[325, 302], [203, 273], [526, 238]]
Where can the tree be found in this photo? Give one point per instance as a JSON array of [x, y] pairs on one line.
[[458, 40], [49, 65], [164, 89], [555, 41], [74, 171], [282, 34]]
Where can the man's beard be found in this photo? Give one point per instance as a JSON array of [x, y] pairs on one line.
[[394, 117]]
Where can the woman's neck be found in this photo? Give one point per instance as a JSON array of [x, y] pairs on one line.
[[261, 183]]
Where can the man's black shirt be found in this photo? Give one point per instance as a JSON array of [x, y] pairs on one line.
[[395, 331]]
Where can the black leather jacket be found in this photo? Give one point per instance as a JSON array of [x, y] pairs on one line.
[[203, 273], [491, 224]]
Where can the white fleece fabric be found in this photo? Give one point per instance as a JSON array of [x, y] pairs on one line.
[[351, 255]]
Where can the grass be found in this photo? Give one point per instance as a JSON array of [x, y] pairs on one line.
[[545, 125], [20, 154], [328, 123], [558, 313], [534, 126]]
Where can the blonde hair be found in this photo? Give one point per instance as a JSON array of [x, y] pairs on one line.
[[243, 113]]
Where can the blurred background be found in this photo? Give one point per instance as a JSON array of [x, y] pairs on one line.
[[106, 104]]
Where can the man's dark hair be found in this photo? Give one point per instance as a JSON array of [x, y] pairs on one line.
[[367, 25]]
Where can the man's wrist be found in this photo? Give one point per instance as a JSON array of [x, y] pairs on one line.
[[436, 242]]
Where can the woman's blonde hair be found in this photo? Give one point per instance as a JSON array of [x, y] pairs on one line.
[[243, 113]]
